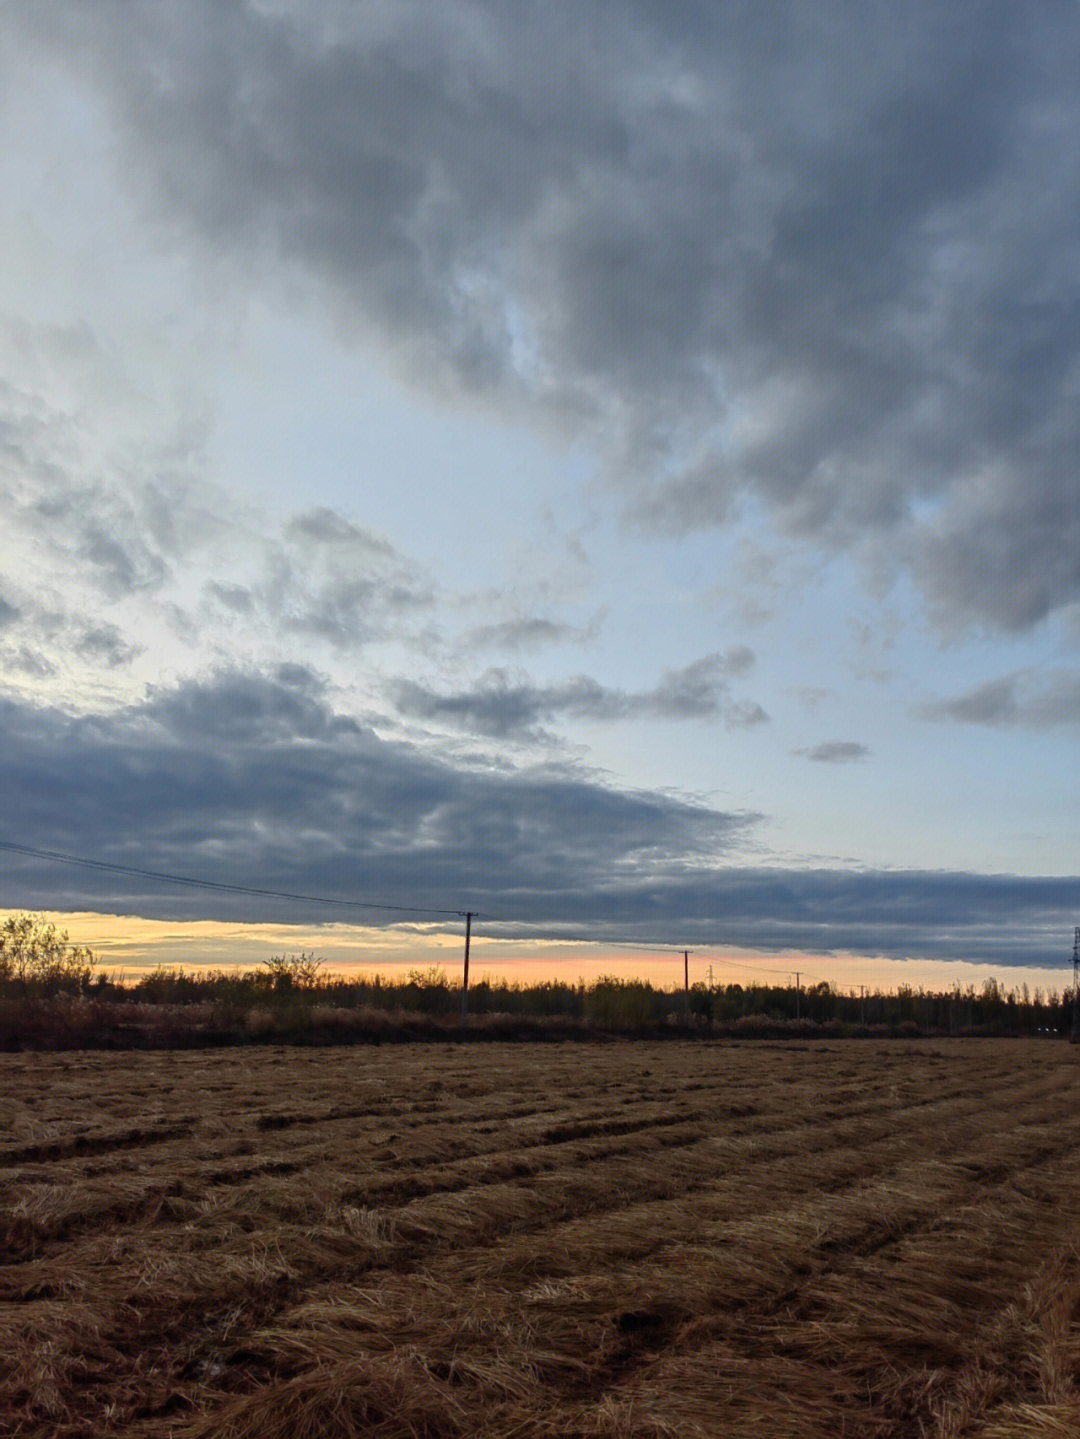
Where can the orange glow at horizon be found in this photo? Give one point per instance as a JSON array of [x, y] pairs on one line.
[[128, 945]]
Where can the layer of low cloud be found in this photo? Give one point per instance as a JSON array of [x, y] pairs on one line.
[[1027, 699], [255, 780], [503, 706], [826, 261]]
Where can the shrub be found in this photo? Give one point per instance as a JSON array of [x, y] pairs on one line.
[[34, 954], [624, 1003], [293, 971]]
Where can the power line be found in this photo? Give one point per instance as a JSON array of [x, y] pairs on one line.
[[764, 969], [224, 887], [609, 943], [221, 885]]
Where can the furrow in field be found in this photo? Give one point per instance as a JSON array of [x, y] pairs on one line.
[[741, 1117], [493, 1165], [82, 1144], [622, 1336], [264, 1269], [724, 1157], [943, 1323], [638, 1230], [503, 1298], [508, 1215], [656, 1320]]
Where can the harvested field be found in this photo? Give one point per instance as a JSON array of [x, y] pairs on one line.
[[848, 1239]]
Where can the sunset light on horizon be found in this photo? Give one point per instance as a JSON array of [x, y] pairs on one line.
[[127, 947]]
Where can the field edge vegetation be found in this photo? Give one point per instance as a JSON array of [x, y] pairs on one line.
[[55, 995]]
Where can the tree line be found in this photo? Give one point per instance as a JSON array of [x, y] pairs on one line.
[[52, 991]]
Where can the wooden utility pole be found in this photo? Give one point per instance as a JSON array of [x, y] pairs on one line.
[[686, 971], [798, 994], [465, 973]]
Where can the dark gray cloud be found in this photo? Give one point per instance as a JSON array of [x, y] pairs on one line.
[[255, 780], [1027, 699], [827, 260], [502, 706], [835, 751], [9, 613]]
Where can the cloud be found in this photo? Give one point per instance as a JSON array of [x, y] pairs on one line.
[[811, 696], [324, 526], [504, 707], [255, 780], [835, 751], [107, 514], [1027, 699], [120, 569], [26, 660], [237, 599], [104, 644], [745, 714], [738, 660], [530, 633], [99, 484], [992, 919], [331, 580], [824, 262], [38, 635]]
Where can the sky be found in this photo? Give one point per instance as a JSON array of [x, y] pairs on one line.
[[610, 467]]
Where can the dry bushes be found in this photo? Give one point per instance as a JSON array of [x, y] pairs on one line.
[[540, 1241]]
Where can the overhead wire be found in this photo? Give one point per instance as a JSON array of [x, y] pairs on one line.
[[698, 947], [215, 884], [222, 886]]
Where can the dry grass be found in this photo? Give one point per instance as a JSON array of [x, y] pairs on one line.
[[855, 1239]]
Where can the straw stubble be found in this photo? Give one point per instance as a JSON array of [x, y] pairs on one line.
[[860, 1239]]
